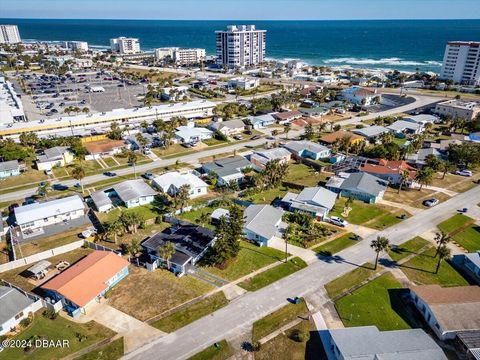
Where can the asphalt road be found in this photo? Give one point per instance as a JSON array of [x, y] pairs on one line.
[[242, 312]]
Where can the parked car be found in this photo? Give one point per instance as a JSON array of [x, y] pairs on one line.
[[338, 221], [464, 172], [148, 176], [431, 202], [110, 174], [87, 233], [48, 172], [256, 137], [238, 137], [59, 187]]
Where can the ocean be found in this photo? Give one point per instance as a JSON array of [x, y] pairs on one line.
[[375, 44]]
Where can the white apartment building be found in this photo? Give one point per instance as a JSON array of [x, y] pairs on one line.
[[468, 110], [81, 46], [124, 45], [240, 46], [9, 34], [181, 55], [461, 62], [11, 107]]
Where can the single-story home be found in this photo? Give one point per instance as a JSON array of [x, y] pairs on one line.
[[418, 159], [359, 96], [243, 83], [263, 223], [228, 128], [9, 168], [400, 128], [86, 281], [314, 201], [260, 158], [448, 310], [361, 186], [262, 121], [422, 119], [106, 147], [287, 116], [192, 134], [334, 137], [390, 170], [219, 213], [15, 305], [308, 149], [57, 156], [316, 111], [191, 243], [170, 183], [369, 343], [228, 169], [371, 133], [470, 263]]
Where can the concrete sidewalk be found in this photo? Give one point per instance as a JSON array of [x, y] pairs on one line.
[[309, 256]]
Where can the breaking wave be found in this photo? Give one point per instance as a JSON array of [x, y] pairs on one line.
[[384, 61]]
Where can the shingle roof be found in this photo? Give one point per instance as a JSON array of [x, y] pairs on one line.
[[400, 125], [86, 279], [227, 166], [287, 115], [133, 189], [361, 182], [9, 165], [371, 131], [53, 153], [317, 196], [103, 146], [174, 178], [100, 198], [263, 220], [12, 302], [298, 146], [231, 124]]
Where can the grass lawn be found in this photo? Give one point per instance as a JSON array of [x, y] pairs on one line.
[[387, 220], [407, 248], [376, 303], [267, 196], [336, 245], [304, 175], [213, 141], [28, 177], [147, 211], [194, 215], [361, 212], [277, 319], [421, 270], [469, 238], [282, 347], [413, 197], [172, 150], [221, 352], [454, 223], [250, 258], [110, 161], [36, 246], [350, 279], [267, 277], [78, 335], [112, 351], [144, 294], [194, 312]]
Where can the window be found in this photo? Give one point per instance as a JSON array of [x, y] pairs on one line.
[[19, 315]]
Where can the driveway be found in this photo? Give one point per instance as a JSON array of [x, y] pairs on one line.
[[306, 255], [135, 332]]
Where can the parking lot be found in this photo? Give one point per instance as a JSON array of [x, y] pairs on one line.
[[51, 95]]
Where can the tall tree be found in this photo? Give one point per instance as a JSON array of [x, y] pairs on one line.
[[443, 253], [381, 243], [78, 173], [132, 159], [445, 167], [180, 199], [113, 228], [115, 131], [442, 239], [166, 252], [404, 177], [424, 177]]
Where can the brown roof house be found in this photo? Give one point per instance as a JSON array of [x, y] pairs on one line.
[[104, 147], [449, 310]]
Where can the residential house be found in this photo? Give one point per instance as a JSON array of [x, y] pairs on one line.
[[228, 128], [418, 159], [369, 343], [390, 170], [219, 213], [9, 168], [171, 182], [192, 134], [308, 149], [86, 281], [287, 116], [314, 201], [263, 223], [15, 306], [57, 156], [175, 93], [470, 263], [371, 133], [262, 121], [227, 169], [316, 111], [359, 96], [150, 141], [361, 186], [106, 147], [130, 193], [422, 119], [448, 310], [260, 158], [243, 83], [400, 128], [337, 136], [33, 218], [191, 243]]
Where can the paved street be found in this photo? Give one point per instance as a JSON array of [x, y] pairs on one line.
[[242, 312]]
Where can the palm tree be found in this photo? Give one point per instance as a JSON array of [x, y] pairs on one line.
[[287, 129], [85, 110], [442, 239], [443, 254], [404, 177], [381, 243], [43, 188], [181, 197], [166, 252], [134, 247], [445, 167], [132, 159], [78, 174], [113, 227], [286, 234], [424, 177]]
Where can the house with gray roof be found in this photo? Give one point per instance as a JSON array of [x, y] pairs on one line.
[[418, 159], [308, 149], [57, 156], [361, 186], [228, 128], [227, 169], [262, 121], [314, 201], [260, 158], [400, 128], [171, 182], [470, 263], [369, 343], [263, 223], [15, 306], [9, 168], [371, 133], [422, 119]]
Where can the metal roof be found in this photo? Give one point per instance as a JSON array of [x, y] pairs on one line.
[[9, 165], [133, 189], [263, 220], [298, 146], [39, 267], [12, 302], [227, 166]]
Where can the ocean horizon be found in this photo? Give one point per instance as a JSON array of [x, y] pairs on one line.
[[406, 45]]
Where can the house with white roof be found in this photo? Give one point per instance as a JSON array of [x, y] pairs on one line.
[[359, 96], [260, 158], [371, 133], [308, 149], [400, 128], [15, 305], [263, 223], [314, 201], [9, 168], [422, 119], [228, 128], [57, 156], [262, 121], [192, 134], [171, 182]]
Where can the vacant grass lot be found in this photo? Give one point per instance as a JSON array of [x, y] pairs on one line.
[[250, 258], [31, 176], [78, 335], [144, 294], [304, 175], [349, 280], [407, 248], [268, 196], [112, 351], [221, 352], [277, 319], [421, 270], [455, 222], [336, 245], [278, 272], [36, 246], [361, 212], [194, 312], [413, 197], [469, 238], [376, 303]]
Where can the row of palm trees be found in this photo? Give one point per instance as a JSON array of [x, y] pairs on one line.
[[127, 222]]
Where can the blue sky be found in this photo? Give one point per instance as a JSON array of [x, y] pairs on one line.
[[241, 9]]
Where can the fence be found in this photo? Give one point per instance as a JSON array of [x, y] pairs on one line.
[[38, 301], [41, 256], [94, 246]]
